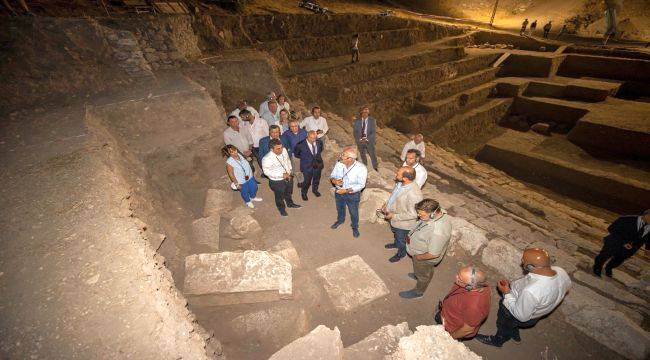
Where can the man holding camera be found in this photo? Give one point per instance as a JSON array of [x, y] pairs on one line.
[[277, 167], [400, 210], [349, 178], [311, 162]]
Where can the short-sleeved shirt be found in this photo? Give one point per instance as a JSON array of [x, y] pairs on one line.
[[431, 236], [465, 307], [241, 168]]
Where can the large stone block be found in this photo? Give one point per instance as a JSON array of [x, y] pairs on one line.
[[350, 283], [216, 202], [431, 343], [371, 200], [205, 231], [612, 329], [236, 277], [503, 257], [469, 236], [286, 250], [608, 287], [242, 224], [276, 326], [320, 344], [379, 344]]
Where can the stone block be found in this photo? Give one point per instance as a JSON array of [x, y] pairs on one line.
[[469, 236], [320, 344], [236, 277], [431, 343], [351, 283], [503, 257], [242, 224], [541, 128], [371, 200], [286, 250], [277, 326], [205, 231], [612, 329], [379, 344], [375, 180], [608, 287], [580, 297], [462, 212], [216, 201]]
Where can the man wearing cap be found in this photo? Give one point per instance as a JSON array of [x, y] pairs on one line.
[[529, 298], [626, 236]]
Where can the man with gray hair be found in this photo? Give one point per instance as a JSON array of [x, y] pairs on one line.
[[349, 178], [264, 106]]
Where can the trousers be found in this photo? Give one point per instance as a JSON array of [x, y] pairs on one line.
[[351, 201], [282, 190], [248, 190], [400, 240], [423, 271], [612, 249], [508, 326], [369, 148], [311, 178]]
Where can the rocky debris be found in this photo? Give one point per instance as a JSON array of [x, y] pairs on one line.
[[351, 283], [503, 257], [371, 200], [470, 237], [286, 250], [431, 343], [608, 287], [127, 52], [376, 180], [320, 344], [278, 325], [379, 344], [542, 128], [216, 202], [612, 329], [242, 224], [237, 277], [205, 231]]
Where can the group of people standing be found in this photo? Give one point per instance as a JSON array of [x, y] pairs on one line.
[[530, 31]]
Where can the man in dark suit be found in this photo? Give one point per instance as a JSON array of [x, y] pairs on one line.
[[365, 134], [626, 236], [311, 162]]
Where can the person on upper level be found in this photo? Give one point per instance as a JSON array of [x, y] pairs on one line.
[[416, 143]]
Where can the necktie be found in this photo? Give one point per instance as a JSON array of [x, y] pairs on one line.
[[313, 148], [363, 128]]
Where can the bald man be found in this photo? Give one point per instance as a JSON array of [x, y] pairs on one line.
[[400, 211], [529, 298], [467, 305]]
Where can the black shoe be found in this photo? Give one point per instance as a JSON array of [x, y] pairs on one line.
[[411, 294], [304, 197], [335, 225], [597, 272], [488, 340], [355, 233], [283, 212], [412, 276], [294, 206], [299, 185], [395, 258], [608, 272], [390, 246], [517, 339], [316, 193], [376, 169]]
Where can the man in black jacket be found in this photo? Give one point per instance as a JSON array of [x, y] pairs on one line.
[[309, 151], [626, 236]]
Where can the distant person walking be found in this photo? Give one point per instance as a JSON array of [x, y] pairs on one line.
[[355, 48], [626, 236], [563, 31], [365, 135], [610, 18], [524, 25], [547, 29], [533, 27]]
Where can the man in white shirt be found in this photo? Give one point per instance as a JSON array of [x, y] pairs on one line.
[[264, 106], [233, 135], [258, 129], [349, 177], [529, 298], [315, 122], [413, 160], [272, 113], [277, 167], [243, 105], [417, 143]]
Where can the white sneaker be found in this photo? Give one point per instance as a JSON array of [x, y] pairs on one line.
[[250, 205], [256, 199]]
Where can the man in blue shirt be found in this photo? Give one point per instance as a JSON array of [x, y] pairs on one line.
[[349, 177], [290, 139], [274, 133]]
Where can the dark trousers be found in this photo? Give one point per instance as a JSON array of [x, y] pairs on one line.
[[312, 177], [400, 240], [352, 203], [369, 148], [612, 249], [508, 326], [355, 55], [423, 270], [256, 153], [546, 33], [282, 190]]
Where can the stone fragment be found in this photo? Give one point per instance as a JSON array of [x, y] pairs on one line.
[[216, 201], [371, 200], [286, 250], [431, 343], [243, 224], [470, 237], [612, 329], [503, 257], [351, 283], [608, 287], [462, 212], [236, 277], [541, 128], [580, 297], [379, 344], [320, 344], [278, 325], [205, 231]]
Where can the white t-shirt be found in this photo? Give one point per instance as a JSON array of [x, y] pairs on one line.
[[421, 174], [534, 296], [312, 124], [274, 166], [412, 145], [258, 130]]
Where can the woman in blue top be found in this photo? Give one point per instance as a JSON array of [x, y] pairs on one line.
[[241, 175]]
